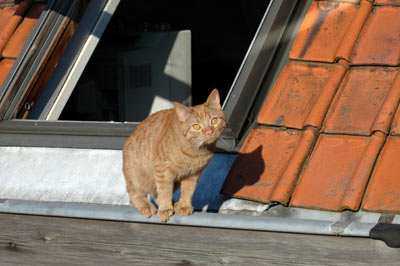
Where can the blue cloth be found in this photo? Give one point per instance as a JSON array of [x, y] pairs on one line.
[[210, 183]]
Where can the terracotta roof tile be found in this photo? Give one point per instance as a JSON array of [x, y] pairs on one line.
[[337, 172], [359, 100], [383, 192], [17, 40], [292, 100], [339, 154], [10, 17], [329, 31], [265, 157], [395, 129], [379, 40], [387, 2], [5, 66]]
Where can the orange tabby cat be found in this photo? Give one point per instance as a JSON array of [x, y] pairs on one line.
[[170, 149]]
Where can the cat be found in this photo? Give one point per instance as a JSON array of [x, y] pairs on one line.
[[170, 149]]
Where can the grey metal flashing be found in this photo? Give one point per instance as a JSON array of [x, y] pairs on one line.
[[202, 219], [389, 233]]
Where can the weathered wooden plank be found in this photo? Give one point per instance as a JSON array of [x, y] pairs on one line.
[[34, 240]]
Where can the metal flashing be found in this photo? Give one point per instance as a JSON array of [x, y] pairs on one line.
[[355, 228]]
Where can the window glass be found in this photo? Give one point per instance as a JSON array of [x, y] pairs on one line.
[[153, 53]]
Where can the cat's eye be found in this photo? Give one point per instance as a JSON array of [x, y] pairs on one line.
[[214, 121], [196, 127]]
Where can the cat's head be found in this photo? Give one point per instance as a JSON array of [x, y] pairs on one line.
[[204, 123]]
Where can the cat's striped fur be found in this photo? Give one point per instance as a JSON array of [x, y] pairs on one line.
[[170, 149]]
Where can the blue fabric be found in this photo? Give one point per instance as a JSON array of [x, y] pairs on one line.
[[210, 183]]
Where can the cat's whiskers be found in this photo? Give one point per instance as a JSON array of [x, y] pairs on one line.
[[198, 142]]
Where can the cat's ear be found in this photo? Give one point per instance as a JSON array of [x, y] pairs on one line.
[[182, 111], [213, 100]]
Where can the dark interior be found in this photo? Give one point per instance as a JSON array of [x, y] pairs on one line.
[[221, 32]]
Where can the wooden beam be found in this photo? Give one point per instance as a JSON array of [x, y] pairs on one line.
[[35, 240]]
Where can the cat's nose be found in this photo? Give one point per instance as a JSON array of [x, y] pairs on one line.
[[209, 132]]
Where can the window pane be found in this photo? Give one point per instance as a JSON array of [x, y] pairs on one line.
[[153, 53]]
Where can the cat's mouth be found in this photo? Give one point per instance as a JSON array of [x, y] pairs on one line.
[[198, 143], [210, 140]]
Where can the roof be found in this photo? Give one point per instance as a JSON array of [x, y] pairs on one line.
[[327, 136], [16, 23]]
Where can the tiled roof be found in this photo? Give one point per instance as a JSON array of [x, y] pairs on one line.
[[16, 23], [328, 134]]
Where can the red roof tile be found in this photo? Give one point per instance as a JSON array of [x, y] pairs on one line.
[[17, 40], [359, 100], [383, 192], [337, 172], [395, 129], [10, 17], [16, 23], [379, 39], [263, 159], [329, 31], [387, 2], [5, 66], [351, 110], [301, 85]]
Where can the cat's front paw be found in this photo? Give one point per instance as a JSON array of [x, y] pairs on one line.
[[148, 211], [164, 215], [183, 210]]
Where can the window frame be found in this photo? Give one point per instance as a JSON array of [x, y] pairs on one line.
[[45, 131], [70, 68], [31, 60], [257, 62]]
